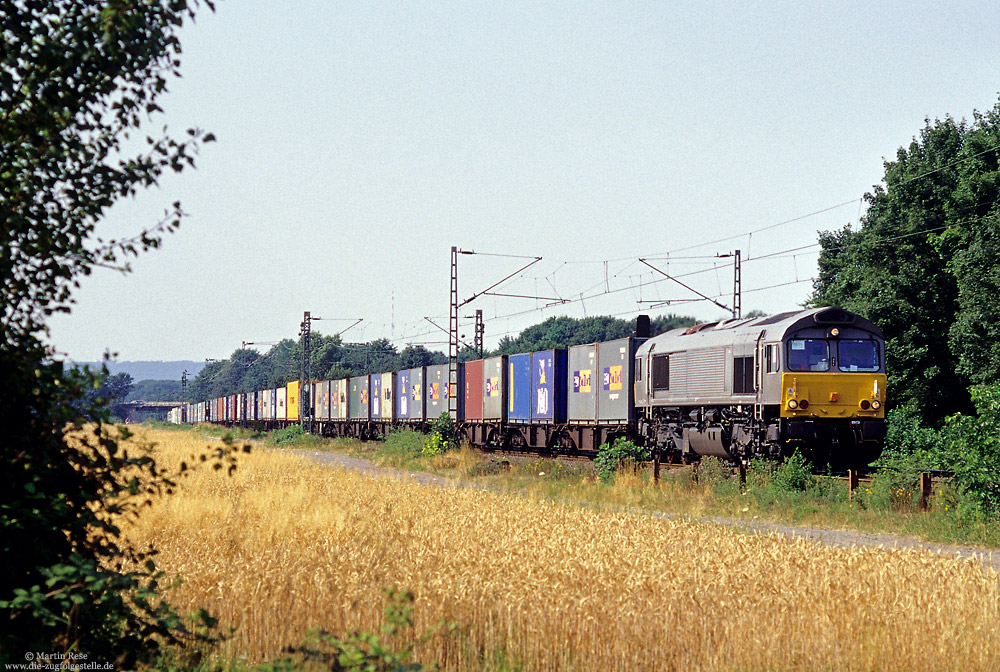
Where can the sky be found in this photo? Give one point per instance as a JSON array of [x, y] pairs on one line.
[[358, 142]]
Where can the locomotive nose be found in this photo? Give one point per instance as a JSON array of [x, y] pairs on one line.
[[833, 395]]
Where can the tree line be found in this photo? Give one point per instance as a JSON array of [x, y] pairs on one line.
[[331, 358]]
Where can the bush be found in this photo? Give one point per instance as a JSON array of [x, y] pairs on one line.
[[794, 474], [403, 443], [442, 436], [712, 471], [906, 440], [971, 449], [611, 458], [286, 435]]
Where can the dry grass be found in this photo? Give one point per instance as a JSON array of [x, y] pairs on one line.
[[285, 545]]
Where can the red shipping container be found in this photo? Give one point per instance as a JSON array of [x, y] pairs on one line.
[[474, 390]]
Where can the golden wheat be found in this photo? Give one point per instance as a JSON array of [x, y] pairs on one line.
[[284, 545]]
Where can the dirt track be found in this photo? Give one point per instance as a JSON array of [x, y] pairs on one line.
[[989, 557]]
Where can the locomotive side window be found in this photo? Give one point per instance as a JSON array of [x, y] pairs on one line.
[[660, 371], [858, 356], [743, 375], [638, 369], [808, 354], [772, 358]]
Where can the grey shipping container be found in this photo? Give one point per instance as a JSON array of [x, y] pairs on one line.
[[615, 362], [359, 404], [435, 388], [418, 398], [437, 392], [321, 400], [495, 388], [580, 388]]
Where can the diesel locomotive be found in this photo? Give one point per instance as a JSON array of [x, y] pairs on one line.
[[812, 379]]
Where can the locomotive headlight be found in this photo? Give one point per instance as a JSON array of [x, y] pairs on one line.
[[835, 332], [876, 404], [792, 404]]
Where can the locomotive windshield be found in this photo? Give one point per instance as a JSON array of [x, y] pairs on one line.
[[815, 354], [858, 356], [808, 354]]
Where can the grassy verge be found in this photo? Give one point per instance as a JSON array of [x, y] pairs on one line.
[[788, 494]]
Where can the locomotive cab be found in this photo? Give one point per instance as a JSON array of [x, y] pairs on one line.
[[833, 387]]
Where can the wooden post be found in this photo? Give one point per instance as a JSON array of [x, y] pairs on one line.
[[743, 472], [925, 491], [852, 483], [656, 466]]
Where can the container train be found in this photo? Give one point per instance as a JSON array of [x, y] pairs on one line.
[[812, 380]]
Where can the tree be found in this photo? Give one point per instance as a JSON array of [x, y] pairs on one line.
[[923, 265], [77, 80], [113, 392]]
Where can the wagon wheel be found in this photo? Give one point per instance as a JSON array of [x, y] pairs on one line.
[[516, 441], [562, 442], [495, 439]]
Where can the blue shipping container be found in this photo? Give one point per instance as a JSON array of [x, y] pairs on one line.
[[403, 395], [519, 388], [548, 386]]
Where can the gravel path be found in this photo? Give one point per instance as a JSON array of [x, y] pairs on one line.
[[989, 557]]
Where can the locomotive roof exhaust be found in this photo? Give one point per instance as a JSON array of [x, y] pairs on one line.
[[834, 316], [642, 327]]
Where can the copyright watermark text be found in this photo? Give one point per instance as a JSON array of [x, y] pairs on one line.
[[75, 661]]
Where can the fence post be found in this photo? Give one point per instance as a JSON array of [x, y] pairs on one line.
[[852, 483], [925, 491]]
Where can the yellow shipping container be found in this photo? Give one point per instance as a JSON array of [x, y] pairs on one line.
[[292, 407]]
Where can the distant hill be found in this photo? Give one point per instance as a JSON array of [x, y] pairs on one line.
[[156, 390], [152, 370]]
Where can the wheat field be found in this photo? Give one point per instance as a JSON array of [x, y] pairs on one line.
[[284, 545]]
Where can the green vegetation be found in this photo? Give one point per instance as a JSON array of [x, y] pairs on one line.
[[923, 266], [441, 436], [79, 78], [109, 391], [622, 453], [561, 332]]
